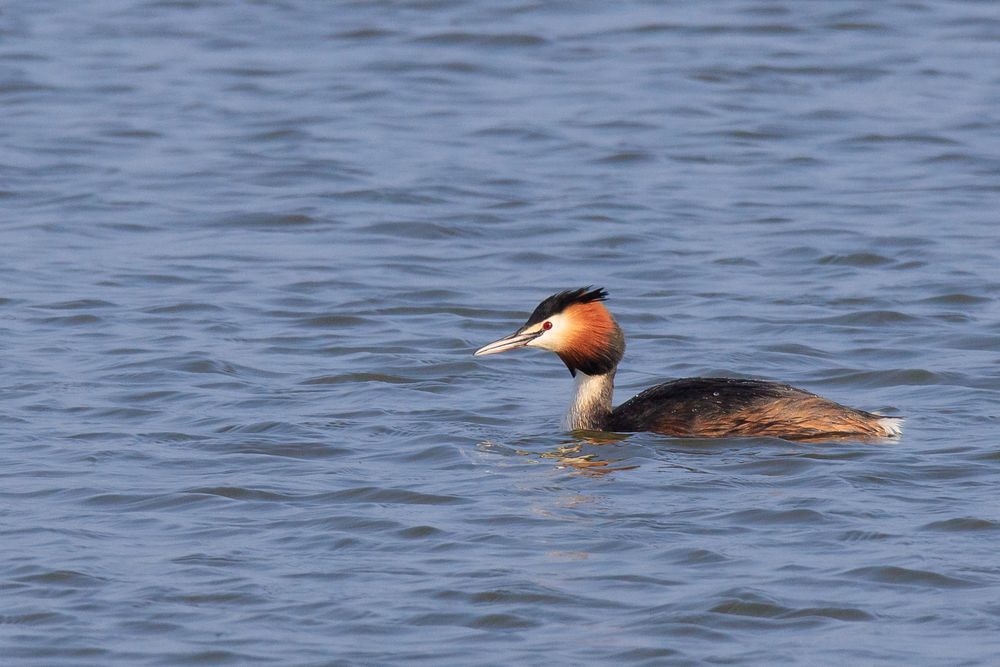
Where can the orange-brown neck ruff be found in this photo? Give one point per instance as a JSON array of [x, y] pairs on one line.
[[593, 343]]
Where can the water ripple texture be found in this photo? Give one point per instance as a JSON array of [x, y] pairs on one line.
[[247, 249]]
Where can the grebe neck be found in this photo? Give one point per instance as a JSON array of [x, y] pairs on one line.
[[591, 404]]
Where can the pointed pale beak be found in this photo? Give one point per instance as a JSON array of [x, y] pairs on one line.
[[515, 340]]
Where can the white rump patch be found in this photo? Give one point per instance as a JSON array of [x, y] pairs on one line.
[[893, 426]]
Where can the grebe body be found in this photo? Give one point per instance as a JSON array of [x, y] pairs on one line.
[[576, 325]]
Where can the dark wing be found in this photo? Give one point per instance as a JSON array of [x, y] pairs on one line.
[[713, 407]]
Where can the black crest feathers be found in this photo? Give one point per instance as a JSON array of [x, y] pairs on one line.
[[559, 302]]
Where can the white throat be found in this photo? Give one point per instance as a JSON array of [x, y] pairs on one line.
[[591, 402]]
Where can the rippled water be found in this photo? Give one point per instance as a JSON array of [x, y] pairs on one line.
[[248, 248]]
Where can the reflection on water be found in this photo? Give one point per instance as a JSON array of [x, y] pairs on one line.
[[583, 454]]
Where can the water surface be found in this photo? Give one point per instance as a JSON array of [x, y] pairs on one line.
[[248, 248]]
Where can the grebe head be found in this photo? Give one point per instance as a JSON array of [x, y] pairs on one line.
[[575, 325]]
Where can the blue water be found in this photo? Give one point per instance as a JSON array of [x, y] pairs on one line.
[[247, 249]]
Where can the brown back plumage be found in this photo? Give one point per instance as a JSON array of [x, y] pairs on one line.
[[716, 407]]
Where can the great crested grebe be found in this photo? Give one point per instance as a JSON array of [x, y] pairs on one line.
[[575, 325]]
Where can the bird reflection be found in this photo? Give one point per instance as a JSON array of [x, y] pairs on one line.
[[575, 454]]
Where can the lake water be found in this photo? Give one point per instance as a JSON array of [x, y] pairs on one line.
[[247, 250]]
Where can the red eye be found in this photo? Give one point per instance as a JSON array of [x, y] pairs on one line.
[[547, 326]]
